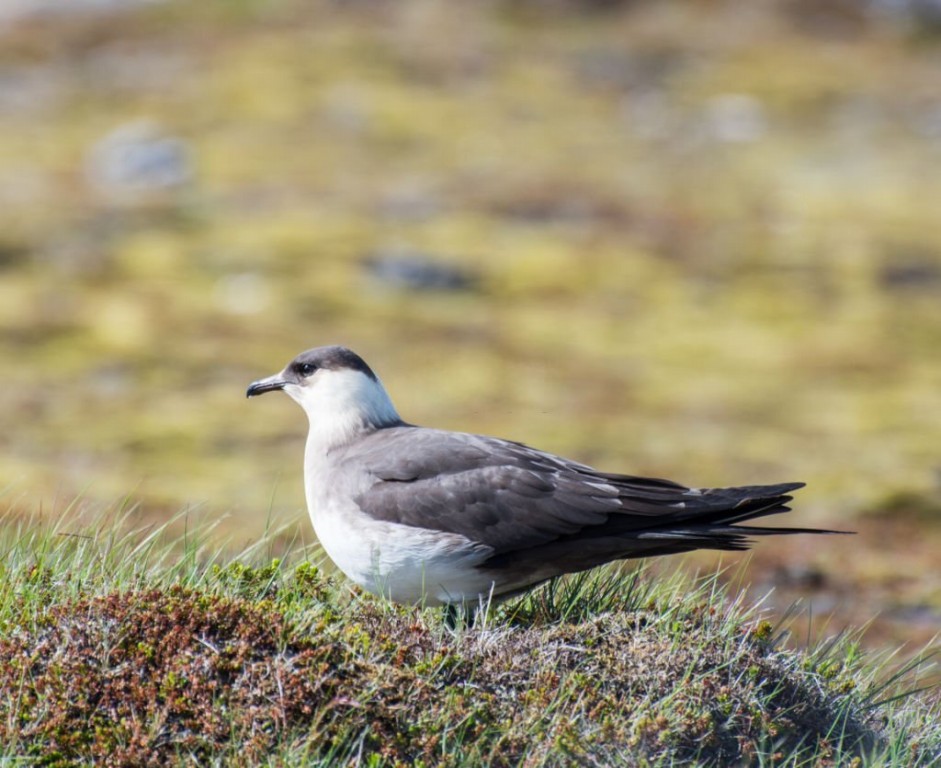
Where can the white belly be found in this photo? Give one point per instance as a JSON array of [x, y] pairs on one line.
[[401, 562]]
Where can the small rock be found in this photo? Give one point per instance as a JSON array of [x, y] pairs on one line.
[[137, 159], [922, 274], [406, 270]]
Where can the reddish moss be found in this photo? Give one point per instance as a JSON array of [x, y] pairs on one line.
[[146, 678], [130, 679]]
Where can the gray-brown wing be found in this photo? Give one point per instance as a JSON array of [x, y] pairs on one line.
[[508, 496]]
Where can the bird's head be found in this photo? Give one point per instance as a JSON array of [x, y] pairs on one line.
[[335, 387]]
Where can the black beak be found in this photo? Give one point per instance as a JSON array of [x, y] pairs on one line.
[[261, 386]]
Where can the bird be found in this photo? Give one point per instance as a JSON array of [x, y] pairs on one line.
[[440, 518]]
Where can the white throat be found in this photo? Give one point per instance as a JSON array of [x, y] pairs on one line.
[[341, 405]]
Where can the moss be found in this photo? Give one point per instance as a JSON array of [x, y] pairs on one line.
[[138, 675], [141, 677]]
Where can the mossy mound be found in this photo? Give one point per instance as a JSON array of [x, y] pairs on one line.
[[159, 676]]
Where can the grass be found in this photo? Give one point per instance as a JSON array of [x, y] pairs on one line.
[[140, 648]]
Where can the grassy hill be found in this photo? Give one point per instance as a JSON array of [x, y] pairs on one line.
[[132, 649]]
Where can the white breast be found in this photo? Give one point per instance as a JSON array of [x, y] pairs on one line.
[[401, 562]]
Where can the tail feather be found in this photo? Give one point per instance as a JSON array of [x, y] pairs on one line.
[[691, 518], [658, 519], [715, 524]]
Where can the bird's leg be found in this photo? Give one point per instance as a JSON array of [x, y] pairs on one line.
[[450, 616], [459, 615]]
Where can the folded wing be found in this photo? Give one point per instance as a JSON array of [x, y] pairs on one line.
[[530, 507]]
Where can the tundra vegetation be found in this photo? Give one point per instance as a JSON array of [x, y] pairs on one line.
[[127, 648]]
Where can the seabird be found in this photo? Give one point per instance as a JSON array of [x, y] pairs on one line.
[[452, 519]]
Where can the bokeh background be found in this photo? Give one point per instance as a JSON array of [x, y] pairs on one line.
[[693, 239]]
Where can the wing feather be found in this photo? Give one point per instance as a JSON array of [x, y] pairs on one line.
[[512, 498]]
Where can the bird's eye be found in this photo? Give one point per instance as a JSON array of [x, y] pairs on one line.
[[306, 369]]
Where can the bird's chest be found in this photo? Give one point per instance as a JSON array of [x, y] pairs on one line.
[[401, 562], [349, 541]]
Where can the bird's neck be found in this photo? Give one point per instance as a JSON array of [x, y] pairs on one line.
[[345, 412], [327, 434]]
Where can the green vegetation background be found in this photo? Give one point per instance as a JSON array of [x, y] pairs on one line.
[[705, 237]]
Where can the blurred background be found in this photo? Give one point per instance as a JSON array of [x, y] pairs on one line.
[[692, 239]]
